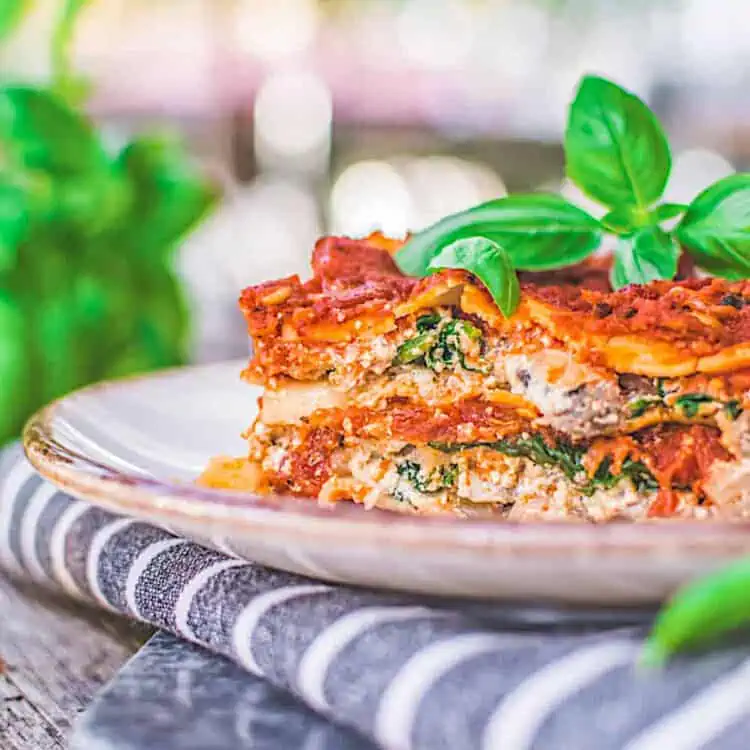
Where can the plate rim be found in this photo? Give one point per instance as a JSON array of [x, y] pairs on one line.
[[120, 492]]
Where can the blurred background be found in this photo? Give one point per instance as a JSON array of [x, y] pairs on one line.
[[346, 116]]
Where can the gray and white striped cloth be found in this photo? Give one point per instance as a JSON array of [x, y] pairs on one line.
[[403, 672]]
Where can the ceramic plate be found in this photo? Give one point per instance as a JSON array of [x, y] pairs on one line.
[[134, 447]]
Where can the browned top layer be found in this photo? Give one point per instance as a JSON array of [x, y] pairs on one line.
[[662, 328], [703, 314]]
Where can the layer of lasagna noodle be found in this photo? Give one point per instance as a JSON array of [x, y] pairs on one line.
[[417, 395]]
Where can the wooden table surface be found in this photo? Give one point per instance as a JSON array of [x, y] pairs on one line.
[[54, 656]]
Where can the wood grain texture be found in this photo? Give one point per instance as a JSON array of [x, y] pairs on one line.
[[54, 656]]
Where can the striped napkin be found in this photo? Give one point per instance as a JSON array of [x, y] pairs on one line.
[[403, 672]]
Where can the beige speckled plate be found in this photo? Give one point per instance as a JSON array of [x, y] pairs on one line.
[[134, 446]]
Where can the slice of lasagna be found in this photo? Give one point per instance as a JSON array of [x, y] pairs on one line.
[[417, 395]]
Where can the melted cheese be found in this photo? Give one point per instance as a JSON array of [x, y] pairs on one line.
[[293, 400], [642, 356], [364, 325], [732, 358]]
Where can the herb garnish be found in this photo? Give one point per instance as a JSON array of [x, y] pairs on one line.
[[617, 153]]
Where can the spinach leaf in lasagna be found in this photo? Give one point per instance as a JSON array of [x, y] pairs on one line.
[[690, 403], [567, 458], [430, 482]]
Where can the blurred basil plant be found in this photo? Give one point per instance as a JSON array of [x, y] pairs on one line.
[[87, 238]]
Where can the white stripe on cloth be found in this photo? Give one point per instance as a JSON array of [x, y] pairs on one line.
[[193, 586], [14, 482], [702, 718], [57, 549], [101, 538], [138, 567], [516, 721], [38, 502], [318, 657], [254, 611], [400, 701]]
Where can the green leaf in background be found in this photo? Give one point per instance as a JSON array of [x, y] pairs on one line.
[[700, 612], [164, 321], [11, 12], [644, 256], [615, 148], [169, 195], [13, 223], [489, 262], [87, 285], [92, 203], [69, 86], [15, 373], [716, 228], [538, 231], [39, 130]]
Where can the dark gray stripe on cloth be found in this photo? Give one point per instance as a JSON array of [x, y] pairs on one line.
[[118, 555], [164, 579], [234, 588]]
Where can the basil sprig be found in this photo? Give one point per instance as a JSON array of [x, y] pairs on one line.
[[616, 152]]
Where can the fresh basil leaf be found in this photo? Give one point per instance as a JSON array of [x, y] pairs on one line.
[[716, 228], [11, 12], [667, 211], [615, 148], [539, 231], [645, 256], [169, 195], [489, 262], [40, 131]]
